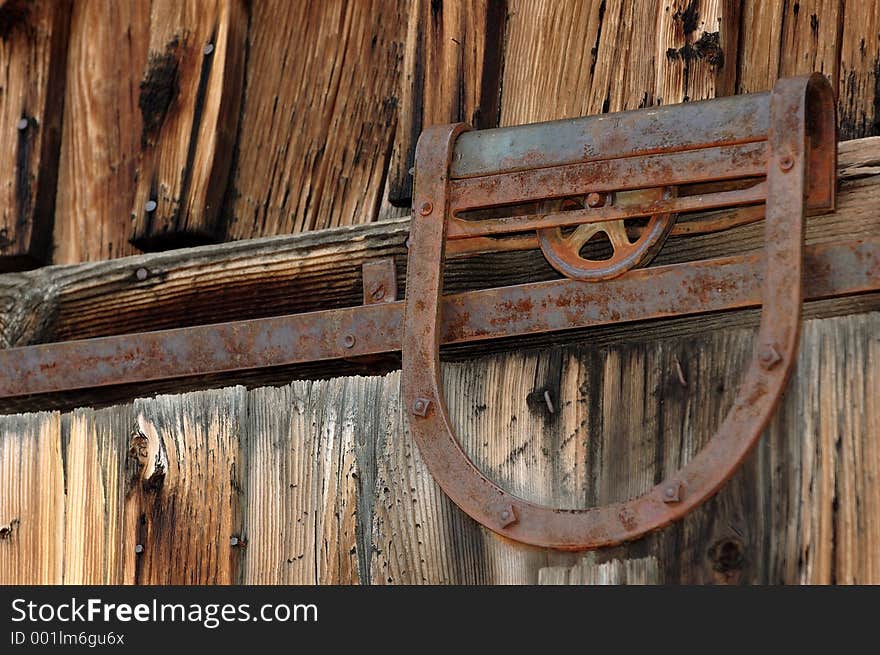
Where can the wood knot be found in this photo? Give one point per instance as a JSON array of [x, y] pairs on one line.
[[7, 529], [147, 448], [728, 557]]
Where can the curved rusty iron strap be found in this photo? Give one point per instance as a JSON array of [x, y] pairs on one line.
[[794, 145]]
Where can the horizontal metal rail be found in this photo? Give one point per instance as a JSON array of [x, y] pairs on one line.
[[832, 270], [666, 169], [736, 119]]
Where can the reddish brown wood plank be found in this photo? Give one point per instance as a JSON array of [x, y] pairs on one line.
[[567, 59], [318, 117], [33, 51], [101, 133], [452, 72], [782, 38], [189, 100], [859, 89]]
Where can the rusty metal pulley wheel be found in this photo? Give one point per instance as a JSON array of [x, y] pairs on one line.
[[563, 248]]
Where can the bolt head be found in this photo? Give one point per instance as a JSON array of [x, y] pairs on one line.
[[139, 549], [769, 357], [348, 341], [426, 208], [786, 162], [672, 492], [209, 49], [507, 516], [22, 124], [151, 205], [420, 406], [233, 541], [596, 199], [142, 274]]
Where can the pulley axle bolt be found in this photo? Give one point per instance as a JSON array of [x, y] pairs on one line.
[[596, 199]]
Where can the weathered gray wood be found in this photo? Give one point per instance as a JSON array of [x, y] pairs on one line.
[[320, 481], [300, 520], [640, 571]]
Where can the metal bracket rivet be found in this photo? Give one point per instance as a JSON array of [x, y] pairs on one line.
[[596, 199], [786, 162], [426, 208], [348, 341], [672, 492], [770, 357], [507, 516], [421, 406]]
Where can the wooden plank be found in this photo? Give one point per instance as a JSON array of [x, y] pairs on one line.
[[838, 508], [452, 73], [859, 88], [781, 39], [629, 415], [33, 51], [334, 490], [697, 49], [417, 535], [187, 502], [318, 117], [101, 133], [99, 472], [190, 97], [598, 57], [300, 521], [640, 571], [31, 499], [323, 269]]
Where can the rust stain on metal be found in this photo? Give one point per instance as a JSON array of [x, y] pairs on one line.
[[801, 121]]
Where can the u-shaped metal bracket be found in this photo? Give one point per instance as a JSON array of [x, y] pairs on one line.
[[800, 174]]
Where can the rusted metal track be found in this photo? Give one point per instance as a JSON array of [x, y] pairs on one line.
[[831, 271]]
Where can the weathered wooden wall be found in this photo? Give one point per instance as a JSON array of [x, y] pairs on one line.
[[319, 482], [143, 125], [153, 125]]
